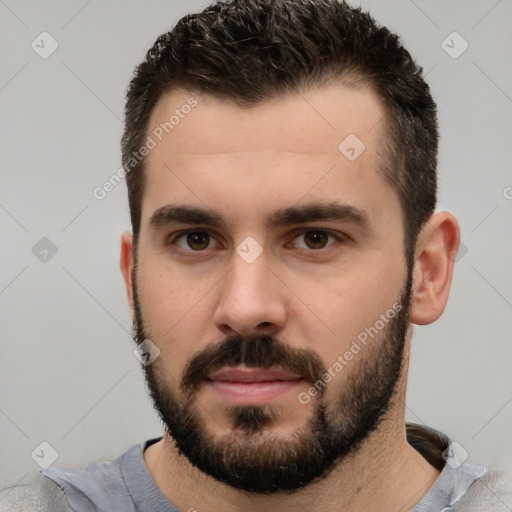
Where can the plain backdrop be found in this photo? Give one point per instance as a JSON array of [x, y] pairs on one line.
[[68, 376]]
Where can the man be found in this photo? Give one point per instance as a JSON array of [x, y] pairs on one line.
[[281, 167]]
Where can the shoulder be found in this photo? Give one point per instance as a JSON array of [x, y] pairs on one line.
[[97, 485], [95, 477], [100, 485], [490, 493], [36, 494]]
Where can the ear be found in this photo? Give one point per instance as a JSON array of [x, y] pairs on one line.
[[436, 250], [126, 264]]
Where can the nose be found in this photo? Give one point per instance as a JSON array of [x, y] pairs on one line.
[[252, 299]]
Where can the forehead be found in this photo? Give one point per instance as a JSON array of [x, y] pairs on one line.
[[207, 150], [315, 121]]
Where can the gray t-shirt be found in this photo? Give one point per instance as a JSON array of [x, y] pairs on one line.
[[126, 485]]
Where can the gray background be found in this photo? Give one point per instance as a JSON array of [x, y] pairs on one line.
[[68, 373]]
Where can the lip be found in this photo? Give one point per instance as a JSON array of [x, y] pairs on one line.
[[252, 386], [251, 375]]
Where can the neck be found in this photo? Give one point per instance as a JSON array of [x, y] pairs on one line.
[[386, 473]]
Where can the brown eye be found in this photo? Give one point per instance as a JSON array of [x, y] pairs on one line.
[[195, 240], [315, 239]]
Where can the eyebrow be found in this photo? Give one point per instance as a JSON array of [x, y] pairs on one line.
[[309, 212]]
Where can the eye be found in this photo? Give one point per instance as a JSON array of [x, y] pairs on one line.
[[195, 240], [316, 239], [312, 240]]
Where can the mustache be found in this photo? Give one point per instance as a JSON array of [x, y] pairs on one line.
[[261, 351]]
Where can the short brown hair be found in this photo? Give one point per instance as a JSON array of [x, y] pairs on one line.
[[251, 50]]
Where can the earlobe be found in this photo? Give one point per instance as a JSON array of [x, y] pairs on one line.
[[126, 263], [436, 250]]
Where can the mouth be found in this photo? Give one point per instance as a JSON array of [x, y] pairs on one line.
[[252, 386]]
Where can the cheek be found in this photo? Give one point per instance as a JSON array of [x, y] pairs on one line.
[[175, 313], [167, 295], [344, 310]]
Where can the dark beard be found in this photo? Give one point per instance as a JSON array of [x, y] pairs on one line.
[[252, 459]]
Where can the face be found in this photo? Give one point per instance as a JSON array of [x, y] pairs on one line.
[[270, 274]]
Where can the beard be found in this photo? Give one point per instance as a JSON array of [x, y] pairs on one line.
[[253, 459]]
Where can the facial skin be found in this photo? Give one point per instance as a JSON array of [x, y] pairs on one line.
[[251, 459], [306, 295]]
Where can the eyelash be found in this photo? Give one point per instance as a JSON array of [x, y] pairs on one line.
[[337, 237]]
